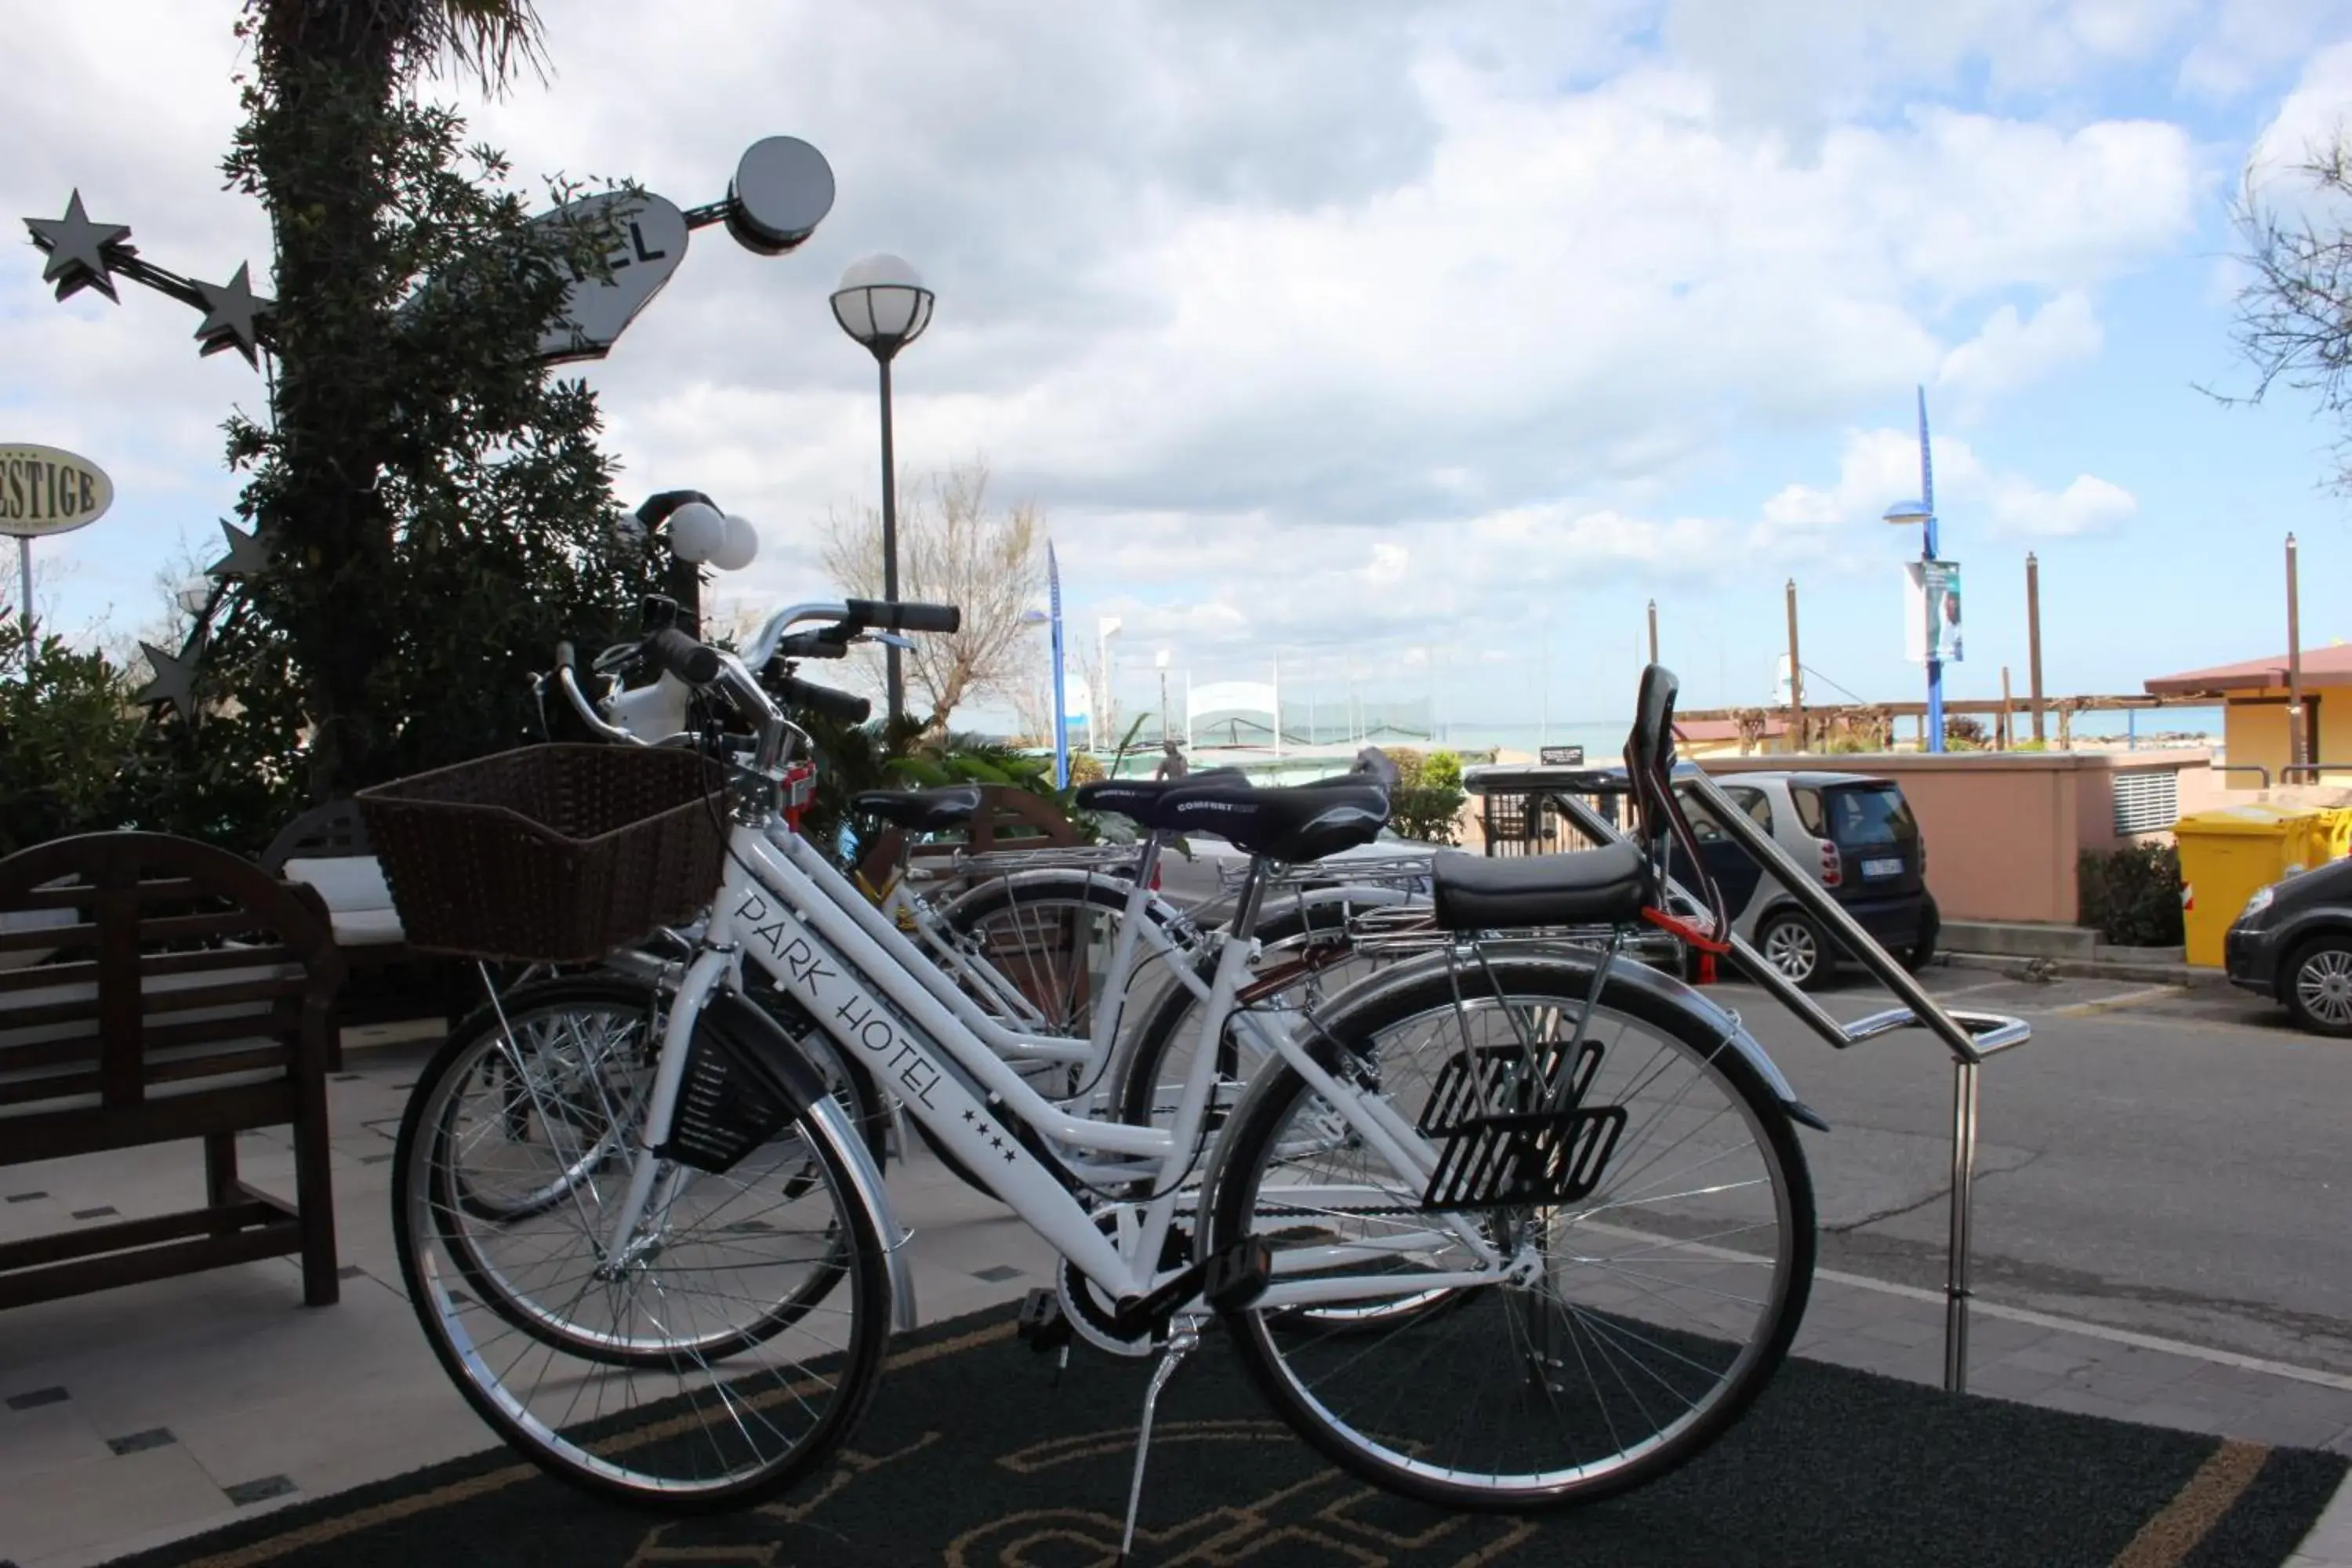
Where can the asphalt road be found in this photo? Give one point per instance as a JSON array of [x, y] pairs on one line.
[[2178, 1163]]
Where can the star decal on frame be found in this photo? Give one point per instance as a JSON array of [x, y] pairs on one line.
[[248, 553], [82, 254], [234, 315], [174, 680]]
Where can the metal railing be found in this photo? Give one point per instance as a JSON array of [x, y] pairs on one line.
[[2287, 773], [2242, 768], [1969, 1037]]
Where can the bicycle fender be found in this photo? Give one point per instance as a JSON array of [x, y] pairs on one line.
[[750, 1037], [1162, 910], [1677, 992], [1666, 991]]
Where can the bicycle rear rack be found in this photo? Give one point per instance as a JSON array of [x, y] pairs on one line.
[[1969, 1037], [1056, 857], [1409, 873]]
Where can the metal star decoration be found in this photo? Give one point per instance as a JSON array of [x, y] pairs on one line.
[[234, 315], [174, 679], [248, 553], [82, 254]]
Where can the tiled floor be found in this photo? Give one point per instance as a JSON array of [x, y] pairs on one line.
[[134, 1416]]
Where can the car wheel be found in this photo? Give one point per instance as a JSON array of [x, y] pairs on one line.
[[1922, 952], [1791, 944], [2318, 987]]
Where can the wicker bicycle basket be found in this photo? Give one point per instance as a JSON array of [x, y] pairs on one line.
[[551, 854]]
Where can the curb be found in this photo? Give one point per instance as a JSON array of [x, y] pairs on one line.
[[2187, 975]]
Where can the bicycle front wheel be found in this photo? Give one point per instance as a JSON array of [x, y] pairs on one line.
[[1639, 1243], [726, 1348]]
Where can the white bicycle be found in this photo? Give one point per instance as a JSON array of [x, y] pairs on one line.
[[1512, 1225], [1073, 947]]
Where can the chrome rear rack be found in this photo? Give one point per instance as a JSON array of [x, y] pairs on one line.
[[1409, 873]]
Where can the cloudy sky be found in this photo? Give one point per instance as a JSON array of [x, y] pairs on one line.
[[1428, 340]]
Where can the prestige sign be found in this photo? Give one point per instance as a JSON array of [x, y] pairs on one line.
[[44, 491]]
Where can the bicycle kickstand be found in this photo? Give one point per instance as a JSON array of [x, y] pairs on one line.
[[1183, 1338]]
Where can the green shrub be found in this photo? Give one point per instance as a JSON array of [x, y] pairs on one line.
[[67, 733], [2131, 896], [1442, 770], [1427, 813]]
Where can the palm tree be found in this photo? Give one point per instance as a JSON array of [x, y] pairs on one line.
[[322, 136]]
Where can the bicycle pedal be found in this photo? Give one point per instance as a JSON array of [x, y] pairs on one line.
[[1239, 1275], [1041, 1326]]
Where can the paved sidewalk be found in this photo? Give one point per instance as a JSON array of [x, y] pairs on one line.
[[135, 1417]]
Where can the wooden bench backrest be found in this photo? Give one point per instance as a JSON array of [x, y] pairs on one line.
[[322, 832], [187, 970]]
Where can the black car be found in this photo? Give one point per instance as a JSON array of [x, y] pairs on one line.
[[2293, 943]]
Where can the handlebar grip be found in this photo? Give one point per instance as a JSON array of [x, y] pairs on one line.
[[906, 616], [563, 656], [679, 654], [824, 699]]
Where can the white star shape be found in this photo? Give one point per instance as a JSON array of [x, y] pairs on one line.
[[233, 315], [76, 251], [174, 680]]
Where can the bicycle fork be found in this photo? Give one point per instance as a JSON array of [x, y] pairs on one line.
[[709, 966]]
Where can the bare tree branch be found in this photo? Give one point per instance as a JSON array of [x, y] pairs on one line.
[[953, 550], [2295, 319]]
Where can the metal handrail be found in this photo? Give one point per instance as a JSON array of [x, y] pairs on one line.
[[1970, 1037], [2287, 773], [2242, 768]]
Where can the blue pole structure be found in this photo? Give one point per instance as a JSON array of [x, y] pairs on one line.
[[1935, 665], [1061, 712]]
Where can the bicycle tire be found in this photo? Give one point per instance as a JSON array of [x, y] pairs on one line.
[[597, 1460], [1137, 1070], [576, 995], [970, 909], [1427, 989]]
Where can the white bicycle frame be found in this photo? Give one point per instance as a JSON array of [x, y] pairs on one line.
[[785, 909]]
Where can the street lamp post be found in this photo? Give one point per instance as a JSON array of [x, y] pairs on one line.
[[1099, 708], [883, 304], [1922, 512]]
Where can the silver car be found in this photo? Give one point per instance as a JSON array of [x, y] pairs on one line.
[[1855, 832]]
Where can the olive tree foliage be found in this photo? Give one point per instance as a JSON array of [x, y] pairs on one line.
[[439, 509], [2293, 321], [954, 548]]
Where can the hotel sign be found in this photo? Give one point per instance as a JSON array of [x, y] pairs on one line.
[[44, 491]]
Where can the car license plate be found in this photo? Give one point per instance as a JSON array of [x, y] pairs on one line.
[[1883, 868]]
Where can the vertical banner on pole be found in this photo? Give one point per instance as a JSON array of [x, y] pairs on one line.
[[1931, 612], [1061, 699]]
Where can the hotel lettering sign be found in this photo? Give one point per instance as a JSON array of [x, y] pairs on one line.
[[44, 491]]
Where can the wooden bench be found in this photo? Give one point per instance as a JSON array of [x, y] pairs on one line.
[[155, 989], [327, 850]]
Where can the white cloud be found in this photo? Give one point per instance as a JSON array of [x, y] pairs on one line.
[[1880, 467], [1224, 285], [2010, 351], [2308, 122], [2247, 40]]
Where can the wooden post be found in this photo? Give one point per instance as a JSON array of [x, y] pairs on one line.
[[1653, 631], [2001, 739], [1796, 679], [2033, 638], [2294, 730]]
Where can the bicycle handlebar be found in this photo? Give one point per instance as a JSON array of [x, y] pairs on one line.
[[906, 616], [837, 705], [850, 616], [672, 650]]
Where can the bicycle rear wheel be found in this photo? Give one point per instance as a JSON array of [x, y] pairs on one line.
[[728, 1347], [1639, 1308]]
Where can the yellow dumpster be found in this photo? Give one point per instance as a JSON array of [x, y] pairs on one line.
[[2336, 827], [2226, 855]]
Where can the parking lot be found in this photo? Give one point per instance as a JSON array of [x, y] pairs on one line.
[[2164, 1160]]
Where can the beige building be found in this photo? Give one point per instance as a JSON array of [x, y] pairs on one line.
[[2253, 697]]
